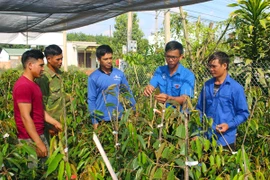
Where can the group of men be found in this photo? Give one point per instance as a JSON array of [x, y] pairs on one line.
[[39, 96]]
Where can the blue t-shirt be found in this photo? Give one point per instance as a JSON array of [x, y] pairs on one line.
[[105, 99], [228, 105], [180, 83]]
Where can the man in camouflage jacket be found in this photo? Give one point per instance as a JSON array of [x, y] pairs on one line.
[[51, 85]]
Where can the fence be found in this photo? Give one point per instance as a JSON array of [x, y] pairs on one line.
[[249, 74]]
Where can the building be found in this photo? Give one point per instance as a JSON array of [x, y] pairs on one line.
[[80, 54], [10, 58]]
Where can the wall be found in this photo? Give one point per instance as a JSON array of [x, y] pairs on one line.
[[4, 57], [72, 57]]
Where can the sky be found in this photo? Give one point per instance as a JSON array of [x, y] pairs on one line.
[[215, 10]]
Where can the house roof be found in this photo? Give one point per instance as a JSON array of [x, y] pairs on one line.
[[82, 45], [14, 52], [52, 16]]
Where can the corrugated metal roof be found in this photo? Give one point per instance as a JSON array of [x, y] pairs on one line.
[[14, 52]]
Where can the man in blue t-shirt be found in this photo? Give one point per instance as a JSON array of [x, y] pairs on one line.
[[104, 87], [223, 99], [174, 80]]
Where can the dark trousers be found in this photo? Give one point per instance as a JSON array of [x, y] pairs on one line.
[[232, 146]]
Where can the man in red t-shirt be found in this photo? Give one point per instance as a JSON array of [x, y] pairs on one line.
[[28, 107]]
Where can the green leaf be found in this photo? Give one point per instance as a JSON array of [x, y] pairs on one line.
[[248, 62], [135, 163], [13, 161], [212, 160], [262, 77], [98, 113], [61, 170], [4, 150], [180, 131], [81, 163], [219, 178], [171, 175], [138, 174], [218, 161], [158, 174], [144, 158], [232, 5], [68, 170], [110, 105], [54, 163], [180, 162], [251, 29], [111, 87], [204, 168], [166, 152], [123, 148], [1, 159], [29, 150], [160, 150], [141, 141], [254, 125], [55, 152], [206, 144], [263, 23], [183, 149], [199, 148]]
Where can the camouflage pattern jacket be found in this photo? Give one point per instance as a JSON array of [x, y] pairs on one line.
[[54, 96]]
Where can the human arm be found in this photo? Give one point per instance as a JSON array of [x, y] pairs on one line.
[[52, 121], [187, 88], [165, 97], [149, 89], [240, 108], [125, 87], [43, 83], [91, 98], [25, 112]]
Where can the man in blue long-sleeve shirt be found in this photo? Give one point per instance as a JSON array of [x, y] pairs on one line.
[[223, 99], [174, 80], [104, 86]]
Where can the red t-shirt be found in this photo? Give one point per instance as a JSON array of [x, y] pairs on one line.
[[26, 91]]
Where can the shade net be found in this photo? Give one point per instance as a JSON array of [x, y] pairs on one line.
[[59, 15]]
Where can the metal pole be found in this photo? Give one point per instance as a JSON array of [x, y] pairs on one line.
[[156, 28], [167, 27], [65, 50], [129, 30]]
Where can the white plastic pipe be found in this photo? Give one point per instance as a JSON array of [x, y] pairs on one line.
[[104, 156]]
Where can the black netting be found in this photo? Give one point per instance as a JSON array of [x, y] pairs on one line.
[[59, 15]]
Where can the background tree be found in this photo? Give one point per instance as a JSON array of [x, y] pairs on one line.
[[251, 41], [120, 34], [99, 39], [252, 29]]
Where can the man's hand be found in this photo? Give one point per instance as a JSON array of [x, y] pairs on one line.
[[148, 90], [162, 97], [222, 127], [41, 150], [58, 126], [194, 138]]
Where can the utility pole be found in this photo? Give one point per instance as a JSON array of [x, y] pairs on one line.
[[110, 31], [156, 28], [129, 30], [167, 27], [65, 50]]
